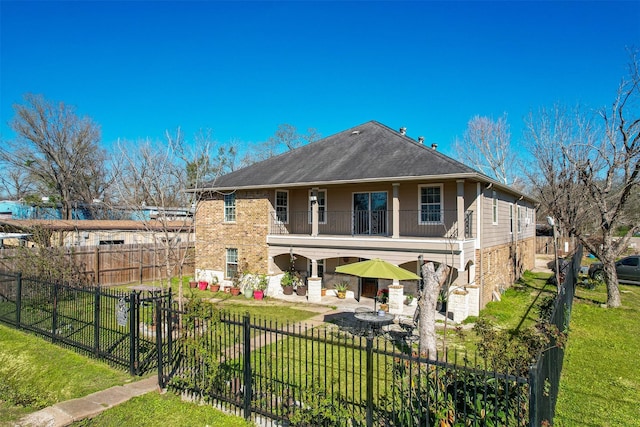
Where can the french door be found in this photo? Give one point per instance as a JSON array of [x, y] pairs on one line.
[[370, 213]]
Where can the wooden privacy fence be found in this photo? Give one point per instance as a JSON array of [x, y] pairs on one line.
[[544, 245], [112, 264]]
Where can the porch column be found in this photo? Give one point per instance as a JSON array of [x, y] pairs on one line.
[[314, 215], [460, 208], [396, 210], [314, 284]]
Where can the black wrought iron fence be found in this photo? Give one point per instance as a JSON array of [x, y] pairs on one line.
[[112, 325], [545, 373], [298, 375], [287, 374]]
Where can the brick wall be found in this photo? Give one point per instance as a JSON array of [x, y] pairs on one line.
[[499, 270], [248, 233]]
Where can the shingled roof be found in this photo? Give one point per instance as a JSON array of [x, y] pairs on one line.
[[365, 153]]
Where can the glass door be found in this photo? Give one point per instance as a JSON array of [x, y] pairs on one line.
[[370, 213]]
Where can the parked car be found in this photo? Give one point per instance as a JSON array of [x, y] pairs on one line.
[[628, 270]]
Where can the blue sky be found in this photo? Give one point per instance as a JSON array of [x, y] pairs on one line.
[[242, 68]]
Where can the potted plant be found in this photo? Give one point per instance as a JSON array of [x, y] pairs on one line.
[[247, 286], [261, 286], [301, 287], [341, 289], [383, 299], [287, 283], [214, 286], [408, 299], [235, 285], [193, 283]]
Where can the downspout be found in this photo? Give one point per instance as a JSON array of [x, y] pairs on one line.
[[480, 196]]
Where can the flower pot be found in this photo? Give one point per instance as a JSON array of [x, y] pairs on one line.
[[341, 294], [193, 284], [384, 307], [202, 285], [214, 287], [258, 294], [248, 293], [301, 290], [323, 292], [287, 290], [235, 291]]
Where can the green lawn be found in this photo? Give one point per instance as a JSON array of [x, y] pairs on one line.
[[154, 409], [600, 383], [35, 374]]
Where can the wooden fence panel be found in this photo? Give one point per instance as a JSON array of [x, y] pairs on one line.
[[118, 264]]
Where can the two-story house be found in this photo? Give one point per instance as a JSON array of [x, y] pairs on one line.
[[367, 192]]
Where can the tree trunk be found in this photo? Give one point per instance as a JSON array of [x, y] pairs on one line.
[[427, 301], [611, 279]]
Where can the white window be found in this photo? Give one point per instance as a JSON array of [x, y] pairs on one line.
[[230, 207], [511, 219], [430, 203], [232, 262], [322, 206], [495, 208], [282, 206]]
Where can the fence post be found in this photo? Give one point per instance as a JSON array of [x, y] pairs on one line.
[[133, 335], [370, 379], [18, 299], [533, 394], [54, 322], [159, 328], [247, 366], [96, 321]]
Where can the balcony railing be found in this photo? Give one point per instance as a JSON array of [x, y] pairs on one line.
[[374, 223]]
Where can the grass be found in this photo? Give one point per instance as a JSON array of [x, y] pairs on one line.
[[35, 374], [600, 383], [154, 409], [519, 304]]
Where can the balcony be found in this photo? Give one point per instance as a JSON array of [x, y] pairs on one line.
[[419, 224]]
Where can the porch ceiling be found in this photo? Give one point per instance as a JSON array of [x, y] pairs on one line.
[[397, 251]]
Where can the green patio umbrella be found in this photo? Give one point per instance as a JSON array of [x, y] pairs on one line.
[[377, 268]]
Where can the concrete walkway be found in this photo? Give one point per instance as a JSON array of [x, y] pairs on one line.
[[65, 413]]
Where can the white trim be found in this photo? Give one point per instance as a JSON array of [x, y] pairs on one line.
[[275, 204], [420, 187], [225, 207], [494, 207], [320, 190]]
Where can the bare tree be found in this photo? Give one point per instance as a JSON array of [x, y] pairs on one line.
[[433, 280], [589, 172], [156, 174], [486, 145], [15, 182], [59, 150], [285, 138]]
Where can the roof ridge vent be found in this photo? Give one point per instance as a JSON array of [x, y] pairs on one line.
[[403, 130], [355, 132], [421, 139], [434, 146]]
